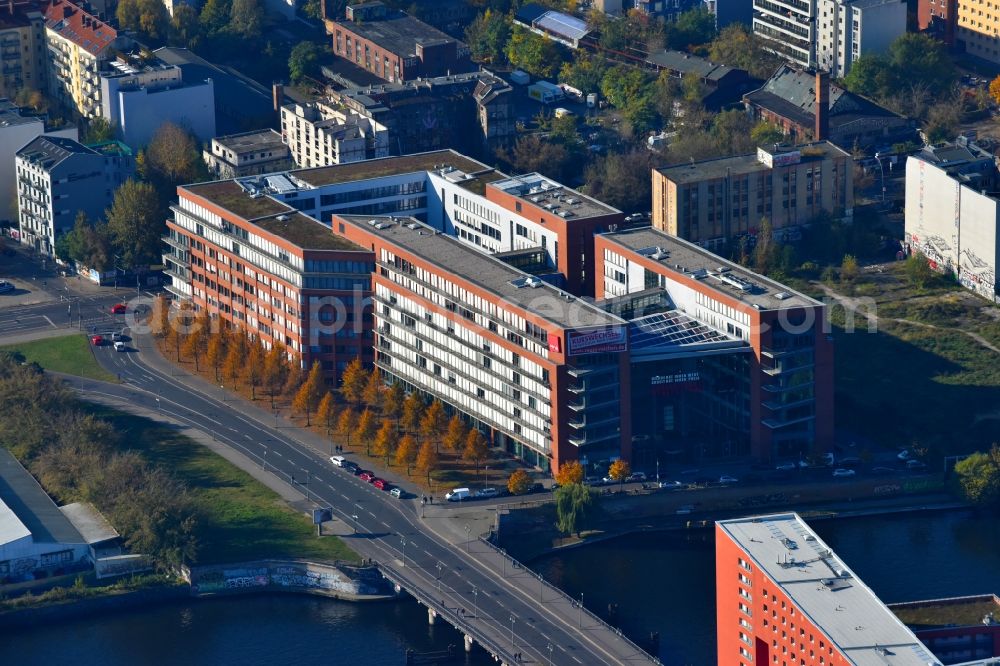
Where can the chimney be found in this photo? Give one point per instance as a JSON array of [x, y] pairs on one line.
[[278, 96], [822, 129]]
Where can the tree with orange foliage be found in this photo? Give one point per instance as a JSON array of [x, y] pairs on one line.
[[406, 452], [569, 473]]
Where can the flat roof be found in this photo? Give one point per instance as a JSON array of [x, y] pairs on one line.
[[724, 276], [487, 272], [33, 508], [688, 172], [826, 591], [953, 611], [389, 166], [560, 200], [11, 114], [250, 141], [305, 232], [229, 195], [91, 523], [398, 33]]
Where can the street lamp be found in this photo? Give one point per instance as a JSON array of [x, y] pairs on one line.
[[403, 550], [468, 539], [263, 463], [878, 158], [512, 646], [475, 599], [440, 566], [581, 610], [550, 654], [487, 476]]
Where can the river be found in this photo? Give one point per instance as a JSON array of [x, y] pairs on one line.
[[661, 582]]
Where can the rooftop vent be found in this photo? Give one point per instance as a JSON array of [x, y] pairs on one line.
[[413, 225], [282, 218], [381, 225], [782, 295]]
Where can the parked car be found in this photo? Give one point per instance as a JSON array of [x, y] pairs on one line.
[[786, 467], [725, 478], [916, 464], [904, 454], [536, 488], [97, 340], [338, 461], [841, 472], [119, 308], [593, 481], [366, 476], [352, 467], [635, 477], [827, 459], [5, 286], [118, 336], [120, 346], [458, 495], [671, 485], [487, 493], [397, 493], [381, 484]]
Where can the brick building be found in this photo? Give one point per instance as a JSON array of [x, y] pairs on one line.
[[393, 45]]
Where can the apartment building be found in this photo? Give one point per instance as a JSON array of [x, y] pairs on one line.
[[79, 44], [715, 201], [953, 213], [783, 596], [938, 18], [725, 363], [395, 46], [22, 47], [247, 154], [57, 178], [495, 343], [139, 94], [789, 28], [319, 134], [17, 127], [977, 29], [267, 269], [848, 29]]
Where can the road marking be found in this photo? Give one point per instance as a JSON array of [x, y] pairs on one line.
[[46, 318]]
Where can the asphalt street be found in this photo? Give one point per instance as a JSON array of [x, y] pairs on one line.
[[467, 576]]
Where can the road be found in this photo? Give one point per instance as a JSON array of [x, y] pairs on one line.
[[463, 578], [66, 314]]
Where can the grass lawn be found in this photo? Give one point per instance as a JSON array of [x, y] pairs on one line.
[[240, 518], [928, 384], [70, 354]]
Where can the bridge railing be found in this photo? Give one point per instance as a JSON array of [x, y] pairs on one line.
[[574, 602], [459, 622]]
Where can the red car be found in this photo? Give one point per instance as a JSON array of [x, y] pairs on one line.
[[97, 340], [381, 484], [119, 308], [367, 477]]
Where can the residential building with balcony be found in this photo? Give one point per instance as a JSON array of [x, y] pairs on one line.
[[138, 95], [393, 45], [541, 372], [725, 363], [247, 154], [788, 28], [58, 178], [268, 270], [318, 134], [79, 44], [714, 202], [22, 47], [18, 126]]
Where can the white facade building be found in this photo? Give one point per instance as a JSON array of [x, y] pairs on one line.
[[951, 219], [318, 135], [16, 129], [247, 154], [849, 29], [138, 97], [57, 178]]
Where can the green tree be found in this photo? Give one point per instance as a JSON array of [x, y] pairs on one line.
[[620, 84], [136, 224], [766, 134], [737, 46], [487, 37], [476, 448], [245, 19], [573, 507], [154, 21], [693, 27], [619, 471], [406, 452], [532, 153], [127, 14], [215, 15], [569, 473], [519, 482], [979, 477], [185, 26], [732, 131], [585, 72], [533, 53], [304, 60], [848, 269], [427, 460], [623, 180], [98, 131], [918, 271], [764, 251]]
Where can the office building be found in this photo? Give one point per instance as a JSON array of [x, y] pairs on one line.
[[394, 46], [17, 127], [267, 269], [849, 29], [58, 178], [247, 154], [499, 345], [139, 94], [953, 213], [79, 45], [784, 597], [318, 134], [725, 363], [715, 201], [22, 47]]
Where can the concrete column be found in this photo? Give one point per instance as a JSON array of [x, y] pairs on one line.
[[468, 643], [431, 616]]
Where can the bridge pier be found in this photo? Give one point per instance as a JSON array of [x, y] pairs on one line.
[[431, 616], [468, 643]]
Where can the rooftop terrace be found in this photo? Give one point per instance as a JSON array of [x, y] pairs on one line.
[[726, 277], [826, 591], [489, 273]]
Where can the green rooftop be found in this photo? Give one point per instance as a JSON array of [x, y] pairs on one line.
[[388, 166], [228, 194], [306, 233], [962, 611]]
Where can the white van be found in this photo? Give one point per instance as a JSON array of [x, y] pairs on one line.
[[458, 494], [338, 461]]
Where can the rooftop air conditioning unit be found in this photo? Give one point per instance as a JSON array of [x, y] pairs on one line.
[[282, 218]]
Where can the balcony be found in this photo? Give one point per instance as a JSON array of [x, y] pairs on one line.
[[175, 243], [781, 369], [777, 406], [774, 424], [585, 439]]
